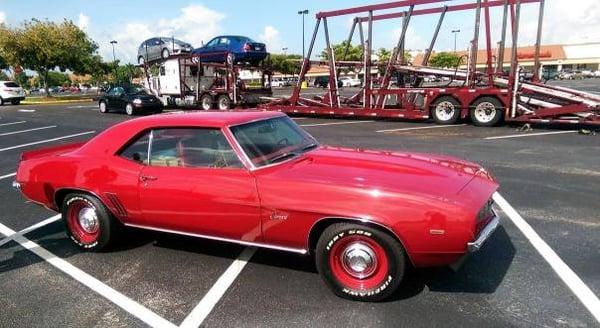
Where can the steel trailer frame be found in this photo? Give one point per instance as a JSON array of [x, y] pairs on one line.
[[521, 101]]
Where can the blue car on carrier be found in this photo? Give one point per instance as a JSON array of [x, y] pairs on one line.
[[241, 48]]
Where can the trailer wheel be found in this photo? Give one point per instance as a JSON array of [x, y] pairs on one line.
[[223, 102], [207, 102], [165, 53], [486, 111], [445, 110]]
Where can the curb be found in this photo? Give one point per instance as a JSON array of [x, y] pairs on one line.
[[56, 101]]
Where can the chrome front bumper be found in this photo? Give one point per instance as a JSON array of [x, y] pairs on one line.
[[489, 229]]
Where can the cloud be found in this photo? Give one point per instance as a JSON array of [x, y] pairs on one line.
[[195, 24], [83, 21], [413, 40], [2, 17], [272, 38]]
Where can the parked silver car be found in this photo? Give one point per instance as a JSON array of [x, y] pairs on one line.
[[161, 48]]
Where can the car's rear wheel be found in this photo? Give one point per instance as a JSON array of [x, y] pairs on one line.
[[129, 110], [1, 101], [223, 102], [89, 224], [487, 111], [206, 102], [360, 262], [445, 110], [165, 53], [102, 107]]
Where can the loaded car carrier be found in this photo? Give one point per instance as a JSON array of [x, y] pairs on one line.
[[188, 80], [487, 97]]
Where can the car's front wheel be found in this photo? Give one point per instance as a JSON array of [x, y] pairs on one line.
[[360, 262], [89, 224], [141, 60], [129, 110], [165, 53]]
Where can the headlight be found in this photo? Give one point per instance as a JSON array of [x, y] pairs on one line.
[[137, 101]]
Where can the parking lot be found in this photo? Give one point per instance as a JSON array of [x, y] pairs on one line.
[[539, 269]]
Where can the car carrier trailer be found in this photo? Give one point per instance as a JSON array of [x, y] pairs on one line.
[[487, 97], [188, 81]]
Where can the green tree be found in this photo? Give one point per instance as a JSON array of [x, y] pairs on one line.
[[354, 52], [3, 76], [43, 46], [22, 79], [55, 79], [445, 59], [126, 73], [285, 64]]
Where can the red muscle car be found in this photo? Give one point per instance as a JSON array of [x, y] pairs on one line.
[[256, 178]]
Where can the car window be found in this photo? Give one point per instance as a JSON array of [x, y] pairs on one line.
[[137, 149], [268, 141], [11, 85], [213, 42], [116, 91], [224, 41], [196, 147]]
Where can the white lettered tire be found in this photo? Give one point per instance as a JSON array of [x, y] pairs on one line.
[[360, 262]]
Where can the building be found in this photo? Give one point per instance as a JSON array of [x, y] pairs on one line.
[[557, 57]]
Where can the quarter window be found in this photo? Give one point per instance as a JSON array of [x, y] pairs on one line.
[[183, 147], [137, 150]]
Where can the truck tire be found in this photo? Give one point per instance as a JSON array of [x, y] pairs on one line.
[[486, 111], [223, 102], [445, 110], [207, 102], [359, 262], [89, 223]]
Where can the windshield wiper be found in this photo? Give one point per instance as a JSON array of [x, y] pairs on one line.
[[310, 146], [282, 157]]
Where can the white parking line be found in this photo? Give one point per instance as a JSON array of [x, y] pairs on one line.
[[26, 110], [421, 128], [337, 123], [45, 141], [8, 175], [127, 304], [28, 130], [577, 286], [208, 302], [30, 229], [12, 123], [530, 135]]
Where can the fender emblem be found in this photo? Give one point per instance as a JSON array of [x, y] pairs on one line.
[[278, 216]]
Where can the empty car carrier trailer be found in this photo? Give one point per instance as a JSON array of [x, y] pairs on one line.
[[186, 80], [487, 97]]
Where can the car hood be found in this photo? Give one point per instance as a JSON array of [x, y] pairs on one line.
[[430, 175]]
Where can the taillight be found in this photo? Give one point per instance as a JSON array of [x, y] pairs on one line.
[[247, 47]]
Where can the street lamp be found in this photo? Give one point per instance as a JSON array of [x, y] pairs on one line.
[[455, 32], [303, 12], [113, 42], [284, 49]]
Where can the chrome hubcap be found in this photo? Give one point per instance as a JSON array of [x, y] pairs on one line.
[[485, 112], [359, 260], [444, 110], [88, 219]]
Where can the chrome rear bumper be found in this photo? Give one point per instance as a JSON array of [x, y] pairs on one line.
[[489, 229]]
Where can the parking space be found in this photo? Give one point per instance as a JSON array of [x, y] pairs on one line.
[[549, 176]]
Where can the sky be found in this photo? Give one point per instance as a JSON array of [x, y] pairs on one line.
[[277, 23]]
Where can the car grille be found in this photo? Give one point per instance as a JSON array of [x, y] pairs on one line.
[[485, 214]]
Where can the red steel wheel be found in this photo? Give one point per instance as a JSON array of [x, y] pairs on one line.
[[360, 262], [82, 220], [89, 224]]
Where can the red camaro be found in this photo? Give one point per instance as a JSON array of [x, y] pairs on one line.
[[256, 178]]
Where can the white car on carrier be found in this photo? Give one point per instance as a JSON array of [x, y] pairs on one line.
[[11, 92]]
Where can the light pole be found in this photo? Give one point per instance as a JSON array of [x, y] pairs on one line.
[[303, 12], [113, 42], [284, 49], [455, 32]]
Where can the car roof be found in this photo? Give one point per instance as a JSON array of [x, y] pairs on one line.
[[211, 118]]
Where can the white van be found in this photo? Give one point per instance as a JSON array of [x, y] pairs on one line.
[[10, 91]]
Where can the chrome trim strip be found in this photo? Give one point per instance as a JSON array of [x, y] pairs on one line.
[[484, 234], [228, 240]]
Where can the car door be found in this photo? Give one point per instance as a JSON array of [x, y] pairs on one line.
[[195, 183], [114, 98]]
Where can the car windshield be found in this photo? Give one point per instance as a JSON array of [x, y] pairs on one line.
[[271, 141], [11, 85], [135, 90]]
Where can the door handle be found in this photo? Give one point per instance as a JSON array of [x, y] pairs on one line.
[[145, 178]]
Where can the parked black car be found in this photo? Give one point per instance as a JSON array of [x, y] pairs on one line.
[[323, 82], [133, 99]]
